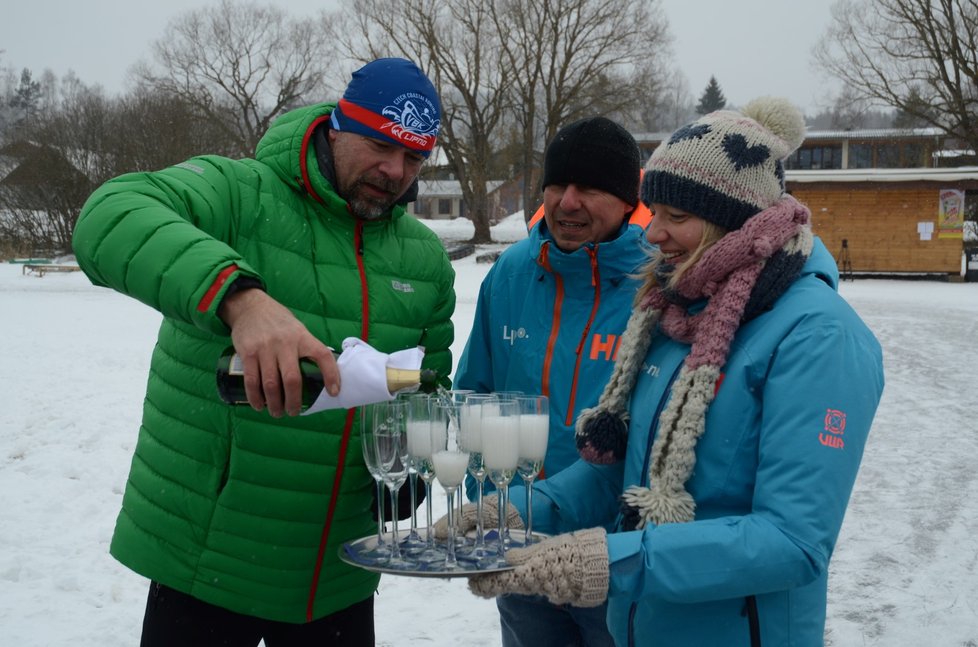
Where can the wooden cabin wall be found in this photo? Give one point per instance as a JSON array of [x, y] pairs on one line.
[[879, 221]]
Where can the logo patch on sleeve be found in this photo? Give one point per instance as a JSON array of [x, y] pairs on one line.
[[835, 427]]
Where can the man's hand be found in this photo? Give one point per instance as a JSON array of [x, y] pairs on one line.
[[270, 341]]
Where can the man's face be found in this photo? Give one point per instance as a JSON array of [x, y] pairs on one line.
[[577, 214], [371, 174]]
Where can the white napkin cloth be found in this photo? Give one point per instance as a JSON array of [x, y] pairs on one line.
[[363, 375]]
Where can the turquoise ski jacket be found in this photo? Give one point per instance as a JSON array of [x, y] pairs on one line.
[[549, 322], [774, 470]]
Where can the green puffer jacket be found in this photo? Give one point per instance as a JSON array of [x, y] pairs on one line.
[[225, 503]]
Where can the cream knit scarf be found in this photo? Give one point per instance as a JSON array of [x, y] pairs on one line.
[[741, 275]]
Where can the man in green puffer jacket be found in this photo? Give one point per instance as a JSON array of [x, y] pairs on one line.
[[236, 514]]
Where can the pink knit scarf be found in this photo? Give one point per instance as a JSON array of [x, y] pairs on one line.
[[727, 275]]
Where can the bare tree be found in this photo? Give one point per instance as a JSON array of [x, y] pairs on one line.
[[240, 65], [575, 59], [81, 139], [40, 199], [666, 105], [454, 42], [917, 56]]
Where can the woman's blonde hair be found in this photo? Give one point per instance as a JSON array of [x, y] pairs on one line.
[[650, 280]]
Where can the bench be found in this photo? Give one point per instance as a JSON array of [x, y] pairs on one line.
[[41, 269]]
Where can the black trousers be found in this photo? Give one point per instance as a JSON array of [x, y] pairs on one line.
[[173, 618]]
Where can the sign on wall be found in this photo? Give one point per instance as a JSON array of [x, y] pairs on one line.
[[950, 214]]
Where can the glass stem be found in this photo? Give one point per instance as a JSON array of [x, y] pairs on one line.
[[429, 538], [380, 512], [450, 552], [528, 482], [480, 539], [503, 503], [413, 476], [395, 542]]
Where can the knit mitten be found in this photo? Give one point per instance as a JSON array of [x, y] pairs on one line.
[[566, 569], [490, 517], [601, 436]]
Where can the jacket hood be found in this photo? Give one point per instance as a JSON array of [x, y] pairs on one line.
[[289, 147]]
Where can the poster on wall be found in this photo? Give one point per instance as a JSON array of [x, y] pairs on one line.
[[950, 214]]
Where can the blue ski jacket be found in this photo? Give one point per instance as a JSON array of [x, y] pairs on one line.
[[549, 322], [774, 470]]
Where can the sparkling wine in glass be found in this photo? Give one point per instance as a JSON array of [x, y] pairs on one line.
[[501, 455], [534, 434], [470, 429], [450, 462], [419, 421], [413, 543]]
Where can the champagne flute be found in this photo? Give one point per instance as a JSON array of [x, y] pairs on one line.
[[458, 395], [379, 553], [508, 395], [419, 421], [413, 543], [391, 438], [450, 463], [470, 428], [534, 434], [501, 455]]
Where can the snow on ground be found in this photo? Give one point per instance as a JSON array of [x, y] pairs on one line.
[[73, 366]]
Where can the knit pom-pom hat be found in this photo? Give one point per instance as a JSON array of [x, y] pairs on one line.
[[725, 168]]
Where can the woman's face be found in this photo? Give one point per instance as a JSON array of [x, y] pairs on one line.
[[676, 232]]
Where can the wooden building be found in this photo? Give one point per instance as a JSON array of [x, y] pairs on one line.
[[890, 221]]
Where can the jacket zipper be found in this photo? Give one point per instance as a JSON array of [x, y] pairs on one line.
[[645, 475], [347, 427], [595, 304], [544, 262]]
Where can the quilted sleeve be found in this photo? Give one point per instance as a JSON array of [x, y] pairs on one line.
[[165, 238]]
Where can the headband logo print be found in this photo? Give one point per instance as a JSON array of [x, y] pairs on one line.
[[408, 122]]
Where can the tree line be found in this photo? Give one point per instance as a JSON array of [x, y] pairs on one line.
[[509, 75]]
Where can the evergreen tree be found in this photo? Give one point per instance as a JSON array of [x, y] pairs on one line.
[[711, 99], [914, 112], [27, 96]]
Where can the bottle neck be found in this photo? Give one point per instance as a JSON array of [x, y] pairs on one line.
[[402, 378]]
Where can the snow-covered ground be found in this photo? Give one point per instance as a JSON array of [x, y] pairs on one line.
[[73, 365]]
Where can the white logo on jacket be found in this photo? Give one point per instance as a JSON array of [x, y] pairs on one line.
[[511, 335]]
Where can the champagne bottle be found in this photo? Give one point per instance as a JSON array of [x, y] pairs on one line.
[[231, 388]]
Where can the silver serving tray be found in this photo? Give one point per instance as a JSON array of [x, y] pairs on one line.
[[354, 552]]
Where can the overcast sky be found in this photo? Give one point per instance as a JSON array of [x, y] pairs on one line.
[[753, 47]]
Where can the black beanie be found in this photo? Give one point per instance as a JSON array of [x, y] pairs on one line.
[[594, 152]]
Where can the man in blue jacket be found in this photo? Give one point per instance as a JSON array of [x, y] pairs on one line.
[[549, 320]]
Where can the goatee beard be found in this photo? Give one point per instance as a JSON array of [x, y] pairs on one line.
[[371, 209]]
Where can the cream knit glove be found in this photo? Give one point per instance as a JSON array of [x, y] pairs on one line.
[[566, 569], [490, 517]]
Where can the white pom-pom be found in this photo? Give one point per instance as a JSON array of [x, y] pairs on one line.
[[780, 117]]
